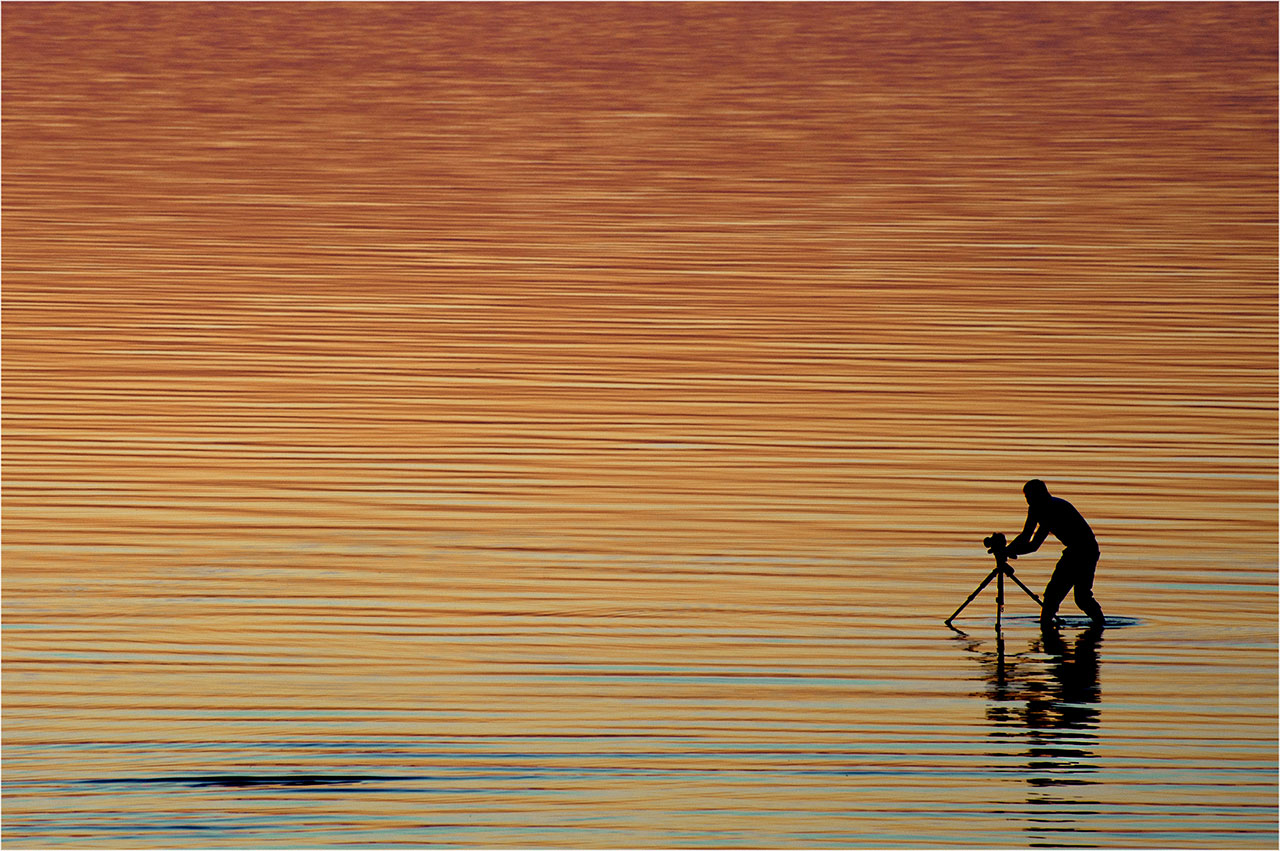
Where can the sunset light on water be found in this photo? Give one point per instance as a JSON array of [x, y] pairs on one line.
[[526, 425]]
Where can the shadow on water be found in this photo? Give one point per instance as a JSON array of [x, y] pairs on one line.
[[242, 781], [1047, 698]]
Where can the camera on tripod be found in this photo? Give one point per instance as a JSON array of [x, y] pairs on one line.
[[996, 544]]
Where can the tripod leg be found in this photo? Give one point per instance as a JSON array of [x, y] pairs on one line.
[[1030, 593], [976, 592], [999, 596]]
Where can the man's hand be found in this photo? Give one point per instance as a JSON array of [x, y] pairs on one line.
[[997, 547]]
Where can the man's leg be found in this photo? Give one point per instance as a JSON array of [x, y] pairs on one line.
[[1056, 591], [1084, 590]]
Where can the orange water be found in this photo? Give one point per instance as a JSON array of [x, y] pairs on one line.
[[519, 425]]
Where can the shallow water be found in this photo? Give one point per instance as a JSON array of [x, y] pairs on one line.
[[540, 425]]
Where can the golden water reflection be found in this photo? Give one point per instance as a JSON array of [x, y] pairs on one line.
[[538, 424]]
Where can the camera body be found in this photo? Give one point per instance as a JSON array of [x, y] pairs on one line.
[[995, 544]]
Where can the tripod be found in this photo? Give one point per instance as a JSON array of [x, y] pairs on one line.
[[995, 545]]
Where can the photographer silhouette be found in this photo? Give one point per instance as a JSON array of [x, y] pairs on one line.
[[1079, 559]]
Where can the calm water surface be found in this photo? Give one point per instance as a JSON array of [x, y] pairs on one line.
[[570, 425]]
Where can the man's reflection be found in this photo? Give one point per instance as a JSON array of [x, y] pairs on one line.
[[1072, 704], [1047, 695]]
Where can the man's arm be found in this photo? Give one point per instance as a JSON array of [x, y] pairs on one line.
[[1026, 542]]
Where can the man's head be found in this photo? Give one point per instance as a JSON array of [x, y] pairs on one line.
[[1035, 492]]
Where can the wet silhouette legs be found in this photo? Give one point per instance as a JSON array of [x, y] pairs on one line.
[[1074, 569]]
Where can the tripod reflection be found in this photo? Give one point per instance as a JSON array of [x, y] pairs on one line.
[[1044, 708]]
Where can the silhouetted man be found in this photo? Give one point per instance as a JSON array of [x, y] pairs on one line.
[[1079, 560]]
